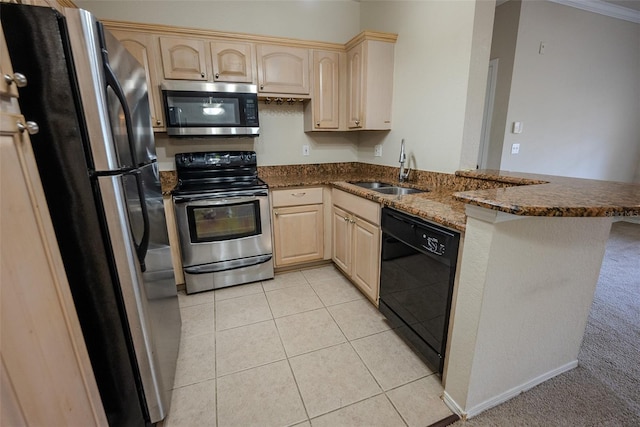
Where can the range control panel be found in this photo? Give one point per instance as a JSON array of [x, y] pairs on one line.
[[215, 159]]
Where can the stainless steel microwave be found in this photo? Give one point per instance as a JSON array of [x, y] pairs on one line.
[[210, 109]]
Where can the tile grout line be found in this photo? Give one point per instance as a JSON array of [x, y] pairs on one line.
[[295, 381], [288, 357]]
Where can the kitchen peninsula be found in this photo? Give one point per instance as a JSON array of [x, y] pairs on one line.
[[530, 259]]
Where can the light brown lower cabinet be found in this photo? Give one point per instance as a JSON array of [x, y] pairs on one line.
[[46, 376], [298, 226], [356, 241]]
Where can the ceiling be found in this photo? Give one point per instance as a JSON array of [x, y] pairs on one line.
[[629, 10], [629, 4]]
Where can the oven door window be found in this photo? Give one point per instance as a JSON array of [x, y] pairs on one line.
[[213, 223]]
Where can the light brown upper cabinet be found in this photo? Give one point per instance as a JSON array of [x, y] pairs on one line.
[[327, 106], [233, 61], [183, 58], [369, 83], [143, 47], [283, 69]]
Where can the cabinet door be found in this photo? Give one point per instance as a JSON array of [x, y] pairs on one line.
[[183, 59], [283, 69], [298, 234], [47, 377], [232, 62], [370, 85], [365, 268], [326, 90], [141, 46], [355, 81], [341, 243], [6, 88]]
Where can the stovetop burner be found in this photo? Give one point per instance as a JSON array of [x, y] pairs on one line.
[[217, 171]]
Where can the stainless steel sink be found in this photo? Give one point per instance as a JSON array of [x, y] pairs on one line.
[[372, 185], [385, 188], [399, 191]]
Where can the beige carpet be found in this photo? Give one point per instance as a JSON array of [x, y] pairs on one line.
[[604, 390]]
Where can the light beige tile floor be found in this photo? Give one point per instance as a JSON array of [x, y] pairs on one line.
[[303, 349]]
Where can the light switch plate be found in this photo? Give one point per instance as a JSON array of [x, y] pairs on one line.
[[517, 127], [377, 151], [515, 148], [305, 150]]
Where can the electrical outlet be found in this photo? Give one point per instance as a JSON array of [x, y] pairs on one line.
[[305, 150], [377, 151], [515, 148]]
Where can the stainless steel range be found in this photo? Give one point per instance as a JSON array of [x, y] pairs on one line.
[[222, 211]]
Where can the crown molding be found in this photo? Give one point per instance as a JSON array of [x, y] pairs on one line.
[[603, 8]]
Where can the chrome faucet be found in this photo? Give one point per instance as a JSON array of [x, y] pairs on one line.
[[404, 174]]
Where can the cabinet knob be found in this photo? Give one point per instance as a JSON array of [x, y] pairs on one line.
[[352, 221], [217, 75], [275, 213], [318, 124], [202, 75], [345, 218], [158, 122], [18, 78], [31, 127], [357, 122], [261, 87]]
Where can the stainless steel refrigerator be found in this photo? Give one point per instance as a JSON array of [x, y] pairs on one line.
[[96, 156]]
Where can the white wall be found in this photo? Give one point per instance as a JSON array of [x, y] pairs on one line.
[[520, 319], [503, 47], [431, 78], [580, 101], [329, 21]]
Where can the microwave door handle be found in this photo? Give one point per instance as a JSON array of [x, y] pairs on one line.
[[114, 84], [143, 246]]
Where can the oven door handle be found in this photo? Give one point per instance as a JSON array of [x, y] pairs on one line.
[[228, 265], [218, 199]]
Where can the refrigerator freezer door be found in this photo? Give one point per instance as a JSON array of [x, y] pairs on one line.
[[108, 91]]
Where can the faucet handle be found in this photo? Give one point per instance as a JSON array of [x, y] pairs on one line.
[[405, 175]]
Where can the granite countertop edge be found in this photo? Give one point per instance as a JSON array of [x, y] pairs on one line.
[[522, 194], [553, 196]]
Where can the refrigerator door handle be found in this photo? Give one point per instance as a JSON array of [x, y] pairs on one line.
[[114, 84], [143, 246]]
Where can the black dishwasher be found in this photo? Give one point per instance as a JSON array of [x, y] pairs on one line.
[[416, 281]]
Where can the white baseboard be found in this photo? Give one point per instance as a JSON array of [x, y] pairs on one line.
[[455, 408], [503, 397]]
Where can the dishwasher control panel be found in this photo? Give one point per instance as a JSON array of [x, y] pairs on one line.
[[423, 235]]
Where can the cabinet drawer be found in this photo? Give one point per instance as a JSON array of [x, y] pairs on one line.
[[296, 196], [365, 209]]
